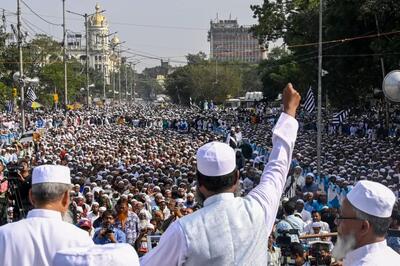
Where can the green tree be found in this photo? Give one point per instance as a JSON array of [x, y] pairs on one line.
[[202, 81], [5, 94], [353, 65], [52, 75], [199, 58]]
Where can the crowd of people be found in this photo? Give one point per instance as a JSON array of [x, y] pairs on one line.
[[133, 170]]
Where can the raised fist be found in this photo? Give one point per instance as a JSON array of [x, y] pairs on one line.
[[291, 100]]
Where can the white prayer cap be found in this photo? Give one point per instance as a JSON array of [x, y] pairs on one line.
[[51, 174], [215, 159], [372, 198], [316, 224], [109, 254]]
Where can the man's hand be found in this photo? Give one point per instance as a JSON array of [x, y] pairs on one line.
[[291, 100], [102, 233], [111, 236]]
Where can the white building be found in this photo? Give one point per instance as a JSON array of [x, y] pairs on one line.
[[103, 52]]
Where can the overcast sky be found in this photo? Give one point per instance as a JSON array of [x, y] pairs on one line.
[[159, 28]]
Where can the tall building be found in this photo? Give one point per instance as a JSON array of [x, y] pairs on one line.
[[103, 53], [231, 42]]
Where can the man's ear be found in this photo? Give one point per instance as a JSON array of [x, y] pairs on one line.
[[237, 174], [31, 199], [65, 200]]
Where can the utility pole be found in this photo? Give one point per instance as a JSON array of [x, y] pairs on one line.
[[383, 73], [86, 16], [104, 75], [132, 80], [126, 81], [65, 58], [113, 83], [21, 68], [87, 59], [319, 122], [104, 58], [119, 76]]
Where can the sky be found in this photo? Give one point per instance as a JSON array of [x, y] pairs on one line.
[[158, 28]]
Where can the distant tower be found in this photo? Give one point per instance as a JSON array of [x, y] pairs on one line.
[[231, 42]]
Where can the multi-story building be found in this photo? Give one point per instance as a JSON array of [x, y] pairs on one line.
[[231, 42], [103, 53]]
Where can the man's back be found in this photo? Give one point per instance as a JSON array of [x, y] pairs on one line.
[[35, 240], [229, 231]]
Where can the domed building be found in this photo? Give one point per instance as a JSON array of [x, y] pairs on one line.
[[103, 52]]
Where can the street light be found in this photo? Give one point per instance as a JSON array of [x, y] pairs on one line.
[[119, 68], [133, 78], [87, 46], [104, 56]]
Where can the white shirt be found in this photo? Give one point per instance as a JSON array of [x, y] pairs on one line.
[[375, 254], [309, 230], [93, 217], [173, 247], [306, 215], [36, 239]]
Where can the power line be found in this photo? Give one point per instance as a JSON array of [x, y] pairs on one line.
[[30, 25], [360, 55], [141, 25], [39, 16], [40, 29], [361, 37]]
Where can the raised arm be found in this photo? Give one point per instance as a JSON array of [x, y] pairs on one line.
[[273, 179]]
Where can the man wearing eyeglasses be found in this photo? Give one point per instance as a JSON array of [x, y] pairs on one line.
[[362, 225]]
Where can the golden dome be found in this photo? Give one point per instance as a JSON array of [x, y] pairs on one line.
[[97, 19]]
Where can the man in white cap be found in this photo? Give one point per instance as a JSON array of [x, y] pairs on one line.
[[231, 230], [362, 225], [36, 239]]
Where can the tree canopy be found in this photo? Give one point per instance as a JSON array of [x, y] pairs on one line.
[[353, 61]]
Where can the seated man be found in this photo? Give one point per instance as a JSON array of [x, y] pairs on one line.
[[108, 233], [316, 217]]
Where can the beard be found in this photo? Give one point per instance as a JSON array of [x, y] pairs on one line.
[[200, 198], [122, 216], [143, 224], [344, 245]]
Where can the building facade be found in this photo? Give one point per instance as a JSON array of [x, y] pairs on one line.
[[103, 53], [231, 42]]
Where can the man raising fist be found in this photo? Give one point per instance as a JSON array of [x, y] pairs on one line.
[[231, 230]]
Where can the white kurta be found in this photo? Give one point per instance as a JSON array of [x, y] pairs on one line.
[[36, 239], [261, 204], [375, 254]]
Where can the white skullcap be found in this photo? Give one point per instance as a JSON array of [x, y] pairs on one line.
[[51, 174], [215, 159], [109, 254], [316, 224], [372, 198], [102, 209]]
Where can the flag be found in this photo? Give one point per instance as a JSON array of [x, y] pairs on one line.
[[309, 104], [9, 106], [339, 117], [30, 95]]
